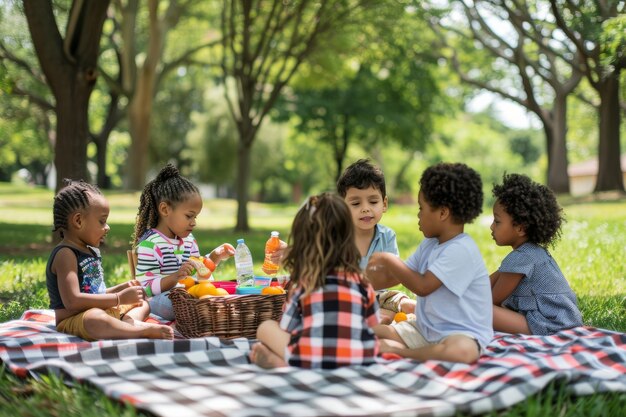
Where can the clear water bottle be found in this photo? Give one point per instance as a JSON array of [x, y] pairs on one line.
[[244, 265]]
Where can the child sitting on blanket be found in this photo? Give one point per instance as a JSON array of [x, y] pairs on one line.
[[82, 304], [163, 237], [530, 293], [446, 272], [331, 308], [362, 186]]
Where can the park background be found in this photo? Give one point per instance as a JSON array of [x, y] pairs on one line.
[[264, 102]]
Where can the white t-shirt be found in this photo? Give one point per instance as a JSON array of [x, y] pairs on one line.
[[463, 304]]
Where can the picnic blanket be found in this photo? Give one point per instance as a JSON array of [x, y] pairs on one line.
[[209, 377]]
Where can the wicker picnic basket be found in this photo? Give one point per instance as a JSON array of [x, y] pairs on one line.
[[224, 317]]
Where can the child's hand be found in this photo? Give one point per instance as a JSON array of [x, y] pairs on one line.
[[132, 295], [277, 256], [222, 252], [128, 284], [185, 269], [376, 268]]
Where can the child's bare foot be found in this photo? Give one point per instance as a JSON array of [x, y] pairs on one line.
[[407, 305], [157, 331], [265, 358]]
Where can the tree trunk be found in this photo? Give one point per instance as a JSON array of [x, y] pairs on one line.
[[70, 153], [296, 192], [558, 179], [341, 148], [609, 169], [102, 141], [70, 67], [243, 179], [139, 115], [141, 103], [102, 179], [139, 126]]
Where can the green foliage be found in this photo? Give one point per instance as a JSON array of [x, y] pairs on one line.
[[384, 92], [481, 145], [212, 144], [613, 41]]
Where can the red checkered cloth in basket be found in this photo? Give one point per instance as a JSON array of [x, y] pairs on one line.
[[209, 377]]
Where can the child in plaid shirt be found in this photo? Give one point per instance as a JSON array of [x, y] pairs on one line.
[[331, 308]]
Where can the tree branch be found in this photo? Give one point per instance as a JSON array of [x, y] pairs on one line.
[[39, 101]]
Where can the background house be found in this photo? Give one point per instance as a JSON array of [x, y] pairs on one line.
[[582, 176]]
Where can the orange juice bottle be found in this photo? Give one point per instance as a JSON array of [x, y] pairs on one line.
[[271, 246]]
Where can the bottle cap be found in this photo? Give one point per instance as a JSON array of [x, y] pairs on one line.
[[274, 233], [240, 241]]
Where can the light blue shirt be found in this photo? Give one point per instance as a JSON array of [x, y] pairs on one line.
[[543, 296], [463, 303], [384, 240]]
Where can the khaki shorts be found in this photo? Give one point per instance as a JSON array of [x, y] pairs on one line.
[[412, 338], [75, 325]]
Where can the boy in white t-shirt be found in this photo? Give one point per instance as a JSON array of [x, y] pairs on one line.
[[447, 273]]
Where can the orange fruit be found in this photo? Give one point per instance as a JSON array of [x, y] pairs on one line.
[[202, 288], [275, 290], [400, 316], [215, 292], [188, 282], [221, 292]]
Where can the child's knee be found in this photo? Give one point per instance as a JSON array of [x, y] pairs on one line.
[[463, 349], [385, 331], [266, 329], [95, 314]]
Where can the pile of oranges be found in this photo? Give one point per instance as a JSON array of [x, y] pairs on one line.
[[201, 289], [206, 288]]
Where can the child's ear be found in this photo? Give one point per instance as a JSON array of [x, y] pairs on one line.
[[444, 212], [520, 230], [75, 220], [164, 209], [385, 204]]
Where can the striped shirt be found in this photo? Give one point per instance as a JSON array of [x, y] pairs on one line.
[[332, 326], [159, 256]]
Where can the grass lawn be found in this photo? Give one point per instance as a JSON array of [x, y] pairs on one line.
[[591, 254]]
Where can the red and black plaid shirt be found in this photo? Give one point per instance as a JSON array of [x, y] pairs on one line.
[[332, 326]]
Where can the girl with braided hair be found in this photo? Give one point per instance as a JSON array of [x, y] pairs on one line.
[[163, 237], [82, 304]]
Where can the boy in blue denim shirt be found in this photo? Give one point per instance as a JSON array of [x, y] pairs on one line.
[[362, 186]]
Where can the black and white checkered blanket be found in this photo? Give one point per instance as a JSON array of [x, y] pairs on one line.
[[209, 377]]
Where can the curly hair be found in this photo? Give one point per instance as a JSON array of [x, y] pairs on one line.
[[361, 174], [532, 206], [169, 187], [321, 241], [455, 186], [73, 197]]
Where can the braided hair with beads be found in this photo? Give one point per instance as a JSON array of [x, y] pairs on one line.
[[73, 197], [169, 187]]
